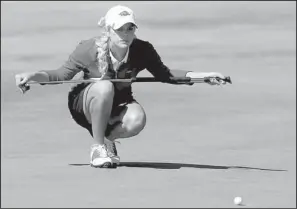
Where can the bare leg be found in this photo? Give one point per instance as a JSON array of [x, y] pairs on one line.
[[129, 122], [98, 100]]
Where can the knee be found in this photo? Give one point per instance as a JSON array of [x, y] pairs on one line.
[[136, 122], [102, 89]]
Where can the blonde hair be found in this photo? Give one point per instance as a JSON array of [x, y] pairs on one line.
[[102, 43]]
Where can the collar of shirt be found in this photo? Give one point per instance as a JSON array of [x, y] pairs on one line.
[[117, 63]]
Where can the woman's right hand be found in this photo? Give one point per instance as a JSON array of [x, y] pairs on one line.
[[22, 79]]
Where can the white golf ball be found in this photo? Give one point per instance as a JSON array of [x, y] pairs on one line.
[[237, 200]]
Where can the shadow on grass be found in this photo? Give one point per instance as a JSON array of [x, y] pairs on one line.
[[156, 165]]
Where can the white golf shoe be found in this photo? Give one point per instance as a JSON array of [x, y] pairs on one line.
[[112, 151], [99, 157]]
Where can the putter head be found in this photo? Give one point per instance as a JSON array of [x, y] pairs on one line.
[[228, 79]]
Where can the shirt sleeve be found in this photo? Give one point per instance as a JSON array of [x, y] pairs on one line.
[[157, 68], [78, 61]]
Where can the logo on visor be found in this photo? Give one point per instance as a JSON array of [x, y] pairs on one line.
[[124, 13]]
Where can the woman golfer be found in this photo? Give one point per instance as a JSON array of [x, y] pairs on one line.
[[108, 110]]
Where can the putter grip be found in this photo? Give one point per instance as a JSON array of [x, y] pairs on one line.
[[24, 88]]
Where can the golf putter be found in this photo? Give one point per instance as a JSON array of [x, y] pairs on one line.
[[226, 79], [24, 88]]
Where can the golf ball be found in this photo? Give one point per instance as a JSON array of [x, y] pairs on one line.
[[237, 200]]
